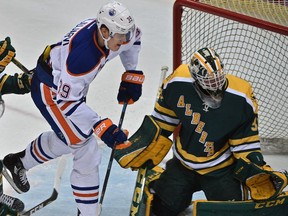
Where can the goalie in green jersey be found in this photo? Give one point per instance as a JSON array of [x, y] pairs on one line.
[[16, 84], [217, 149]]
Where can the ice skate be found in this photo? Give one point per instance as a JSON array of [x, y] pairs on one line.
[[13, 203], [13, 163]]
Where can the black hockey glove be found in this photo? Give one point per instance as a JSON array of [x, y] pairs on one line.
[[17, 84], [109, 133], [130, 88], [7, 53]]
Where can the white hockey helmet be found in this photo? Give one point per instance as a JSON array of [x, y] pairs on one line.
[[207, 69], [117, 18]]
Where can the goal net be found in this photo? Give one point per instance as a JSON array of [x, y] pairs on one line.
[[251, 36]]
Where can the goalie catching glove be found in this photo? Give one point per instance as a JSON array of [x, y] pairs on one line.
[[145, 148], [262, 182], [7, 53]]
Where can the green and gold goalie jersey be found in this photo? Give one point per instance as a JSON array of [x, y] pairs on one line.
[[208, 139]]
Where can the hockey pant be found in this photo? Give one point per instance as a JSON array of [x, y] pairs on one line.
[[49, 145]]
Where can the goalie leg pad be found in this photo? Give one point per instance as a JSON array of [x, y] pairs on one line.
[[152, 175], [277, 206], [146, 145]]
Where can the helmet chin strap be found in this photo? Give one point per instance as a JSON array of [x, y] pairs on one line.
[[105, 40]]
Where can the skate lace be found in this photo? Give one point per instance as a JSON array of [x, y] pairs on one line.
[[7, 200], [23, 177]]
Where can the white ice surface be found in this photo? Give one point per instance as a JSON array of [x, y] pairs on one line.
[[34, 24]]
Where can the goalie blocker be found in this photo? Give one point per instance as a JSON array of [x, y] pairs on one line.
[[145, 148]]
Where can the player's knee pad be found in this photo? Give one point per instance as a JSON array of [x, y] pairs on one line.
[[146, 145], [50, 144], [51, 147]]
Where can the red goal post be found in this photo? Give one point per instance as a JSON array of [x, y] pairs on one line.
[[251, 36]]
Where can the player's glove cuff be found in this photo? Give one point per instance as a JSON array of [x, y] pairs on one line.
[[109, 133]]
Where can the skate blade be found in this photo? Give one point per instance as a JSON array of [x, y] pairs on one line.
[[10, 179]]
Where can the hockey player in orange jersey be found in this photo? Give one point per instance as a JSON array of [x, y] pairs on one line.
[[59, 88]]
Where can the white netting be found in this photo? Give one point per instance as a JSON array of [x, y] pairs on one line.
[[274, 11], [257, 55]]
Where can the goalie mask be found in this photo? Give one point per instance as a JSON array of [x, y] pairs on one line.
[[206, 68], [118, 20]]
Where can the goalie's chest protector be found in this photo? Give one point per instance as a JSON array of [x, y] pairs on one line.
[[203, 127]]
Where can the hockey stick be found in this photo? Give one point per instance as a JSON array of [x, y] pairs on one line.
[[2, 106], [21, 66], [110, 162], [57, 181], [164, 70], [135, 209]]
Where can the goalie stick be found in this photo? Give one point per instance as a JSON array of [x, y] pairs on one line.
[[57, 181], [164, 70], [136, 209]]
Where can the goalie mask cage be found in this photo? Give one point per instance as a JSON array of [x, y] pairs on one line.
[[251, 37]]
